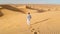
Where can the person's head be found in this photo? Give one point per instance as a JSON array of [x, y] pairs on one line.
[[28, 12]]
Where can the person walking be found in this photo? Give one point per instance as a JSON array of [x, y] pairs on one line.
[[28, 18]]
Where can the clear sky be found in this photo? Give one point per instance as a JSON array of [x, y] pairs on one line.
[[29, 1]]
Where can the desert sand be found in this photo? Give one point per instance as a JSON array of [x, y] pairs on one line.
[[45, 19]]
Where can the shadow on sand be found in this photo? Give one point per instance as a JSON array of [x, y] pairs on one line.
[[11, 8], [39, 21], [38, 10], [1, 14]]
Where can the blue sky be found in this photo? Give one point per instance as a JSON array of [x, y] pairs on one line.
[[29, 1]]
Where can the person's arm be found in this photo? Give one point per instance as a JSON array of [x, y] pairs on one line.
[[30, 16]]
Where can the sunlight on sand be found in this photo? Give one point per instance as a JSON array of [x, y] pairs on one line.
[[45, 19]]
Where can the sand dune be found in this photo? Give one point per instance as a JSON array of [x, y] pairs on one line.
[[46, 22]]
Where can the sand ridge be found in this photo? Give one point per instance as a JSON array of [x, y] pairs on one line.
[[46, 22]]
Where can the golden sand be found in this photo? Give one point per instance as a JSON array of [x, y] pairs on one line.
[[46, 22]]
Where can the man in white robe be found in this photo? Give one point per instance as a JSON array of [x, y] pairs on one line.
[[28, 18]]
